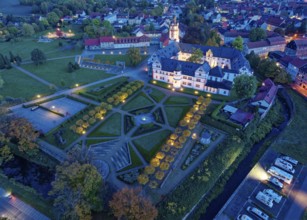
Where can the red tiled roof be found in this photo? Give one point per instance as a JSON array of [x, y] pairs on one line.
[[91, 42], [106, 39], [266, 92]]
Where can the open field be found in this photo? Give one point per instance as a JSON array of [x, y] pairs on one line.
[[156, 94], [24, 47], [293, 140], [179, 111], [56, 73], [110, 127], [18, 84], [111, 59], [176, 100], [139, 101], [148, 145]]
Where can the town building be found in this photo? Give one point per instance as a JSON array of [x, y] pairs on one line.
[[262, 48], [265, 97], [111, 42], [214, 74], [297, 48]]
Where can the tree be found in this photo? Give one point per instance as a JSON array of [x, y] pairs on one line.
[[27, 30], [52, 18], [134, 56], [77, 190], [131, 205], [5, 154], [238, 43], [38, 57], [257, 34], [196, 56], [245, 86]]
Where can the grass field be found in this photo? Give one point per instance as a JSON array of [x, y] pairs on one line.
[[19, 85], [55, 72], [293, 140], [139, 101], [148, 145], [177, 100], [175, 114], [156, 94], [24, 47], [135, 160], [110, 127], [111, 59]]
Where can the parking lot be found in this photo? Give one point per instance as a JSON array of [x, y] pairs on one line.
[[45, 120], [291, 206]]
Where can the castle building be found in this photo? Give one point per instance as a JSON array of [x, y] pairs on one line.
[[214, 74], [174, 31]]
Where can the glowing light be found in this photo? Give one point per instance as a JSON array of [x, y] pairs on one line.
[[196, 92], [169, 86], [123, 101], [258, 173], [194, 135], [181, 89], [83, 132], [77, 85], [38, 96], [299, 197], [53, 107], [154, 82], [208, 95], [102, 118], [173, 89]]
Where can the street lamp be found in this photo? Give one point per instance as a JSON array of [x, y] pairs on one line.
[[77, 85], [53, 107], [38, 96]]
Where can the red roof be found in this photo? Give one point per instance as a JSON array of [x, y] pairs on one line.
[[92, 42], [242, 117], [106, 39], [266, 92]]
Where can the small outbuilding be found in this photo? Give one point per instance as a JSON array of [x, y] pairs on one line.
[[205, 137]]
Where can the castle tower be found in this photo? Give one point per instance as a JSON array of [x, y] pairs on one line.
[[174, 31]]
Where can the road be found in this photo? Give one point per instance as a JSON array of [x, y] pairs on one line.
[[14, 208]]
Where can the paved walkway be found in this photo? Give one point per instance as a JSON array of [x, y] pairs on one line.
[[15, 209]]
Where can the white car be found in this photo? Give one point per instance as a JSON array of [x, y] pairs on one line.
[[244, 217], [258, 212], [275, 182], [284, 165], [265, 199], [289, 159], [273, 195]]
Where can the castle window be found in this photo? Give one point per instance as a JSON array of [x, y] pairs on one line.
[[198, 80]]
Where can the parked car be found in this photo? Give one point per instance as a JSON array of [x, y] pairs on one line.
[[257, 212], [285, 165], [244, 217], [289, 159], [276, 182], [265, 199], [273, 195]]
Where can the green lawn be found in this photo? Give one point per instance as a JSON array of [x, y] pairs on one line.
[[89, 142], [148, 145], [139, 101], [293, 140], [55, 72], [18, 84], [28, 195], [111, 59], [24, 47], [156, 94], [135, 160], [175, 114], [177, 100], [111, 127]]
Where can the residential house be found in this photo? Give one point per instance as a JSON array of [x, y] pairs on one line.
[[297, 48], [301, 78], [265, 97]]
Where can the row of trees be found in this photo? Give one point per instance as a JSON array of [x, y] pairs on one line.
[[159, 166], [89, 119], [5, 62], [125, 92], [268, 68]]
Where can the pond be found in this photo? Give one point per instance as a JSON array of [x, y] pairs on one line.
[[30, 174]]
